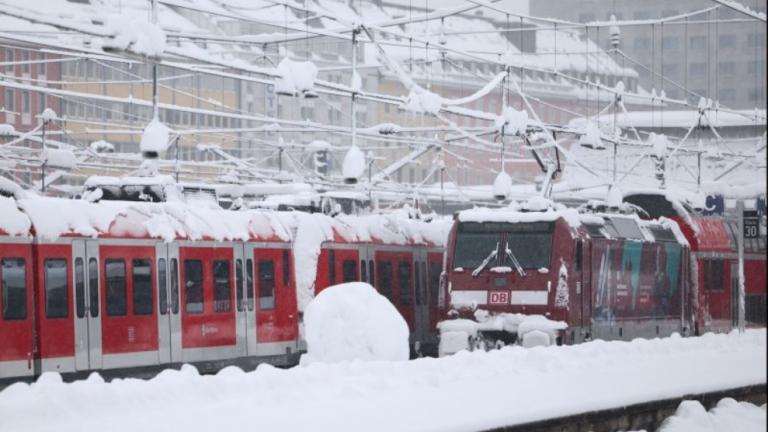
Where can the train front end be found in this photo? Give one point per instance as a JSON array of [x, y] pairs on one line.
[[507, 274]]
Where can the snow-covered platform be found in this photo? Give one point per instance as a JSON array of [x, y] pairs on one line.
[[464, 392]]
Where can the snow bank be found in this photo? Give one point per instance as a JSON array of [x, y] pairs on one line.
[[352, 321], [466, 392], [455, 333], [728, 416]]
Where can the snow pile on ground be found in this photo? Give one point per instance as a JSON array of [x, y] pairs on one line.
[[533, 330], [296, 77], [352, 321], [728, 416], [470, 391]]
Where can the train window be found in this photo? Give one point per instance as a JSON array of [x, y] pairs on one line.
[[363, 271], [174, 286], [418, 284], [714, 275], [93, 286], [249, 283], [435, 268], [371, 278], [385, 279], [579, 254], [662, 234], [222, 289], [115, 273], [611, 230], [79, 288], [626, 228], [595, 231], [193, 286], [404, 281], [424, 282], [142, 287], [239, 284], [349, 271], [472, 247], [332, 267], [286, 268], [56, 296], [14, 274], [266, 284], [162, 286]]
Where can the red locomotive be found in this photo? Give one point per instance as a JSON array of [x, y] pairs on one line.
[[600, 275]]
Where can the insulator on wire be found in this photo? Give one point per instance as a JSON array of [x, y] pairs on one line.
[[614, 32]]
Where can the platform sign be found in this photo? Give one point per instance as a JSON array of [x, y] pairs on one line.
[[751, 224]]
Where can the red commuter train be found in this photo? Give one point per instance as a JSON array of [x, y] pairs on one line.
[[129, 288], [605, 275]]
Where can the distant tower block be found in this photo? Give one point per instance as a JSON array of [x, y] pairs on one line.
[[615, 33]]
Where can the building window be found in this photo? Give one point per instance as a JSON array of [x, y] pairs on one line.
[[222, 289], [142, 287], [642, 43], [56, 295], [670, 43], [115, 273], [642, 15], [14, 288], [9, 68], [727, 94], [9, 100], [698, 70], [755, 40], [697, 42], [25, 58], [726, 68], [755, 94], [586, 17], [25, 102], [404, 280], [193, 286], [727, 41], [349, 271], [669, 13], [266, 276]]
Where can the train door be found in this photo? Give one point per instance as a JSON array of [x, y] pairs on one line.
[[88, 348], [421, 301], [241, 310], [434, 270], [276, 313], [584, 285], [169, 320], [248, 302], [367, 271]]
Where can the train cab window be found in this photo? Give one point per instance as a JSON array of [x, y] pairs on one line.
[[222, 289], [363, 271], [385, 279], [530, 243], [286, 268], [142, 286], [114, 269], [595, 231], [162, 286], [193, 286], [435, 268], [662, 234], [626, 228], [404, 282], [249, 283], [14, 277], [174, 286], [371, 277], [79, 288], [349, 271], [56, 296], [611, 230], [239, 284], [93, 285], [266, 284]]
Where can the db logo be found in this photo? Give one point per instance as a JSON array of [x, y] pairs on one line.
[[498, 297]]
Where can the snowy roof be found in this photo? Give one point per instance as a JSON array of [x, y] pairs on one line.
[[12, 221]]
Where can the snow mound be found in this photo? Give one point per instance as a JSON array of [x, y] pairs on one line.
[[295, 77], [502, 186], [59, 158], [352, 321], [48, 115], [728, 416]]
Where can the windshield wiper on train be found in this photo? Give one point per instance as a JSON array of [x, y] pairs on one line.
[[515, 262], [485, 262]]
